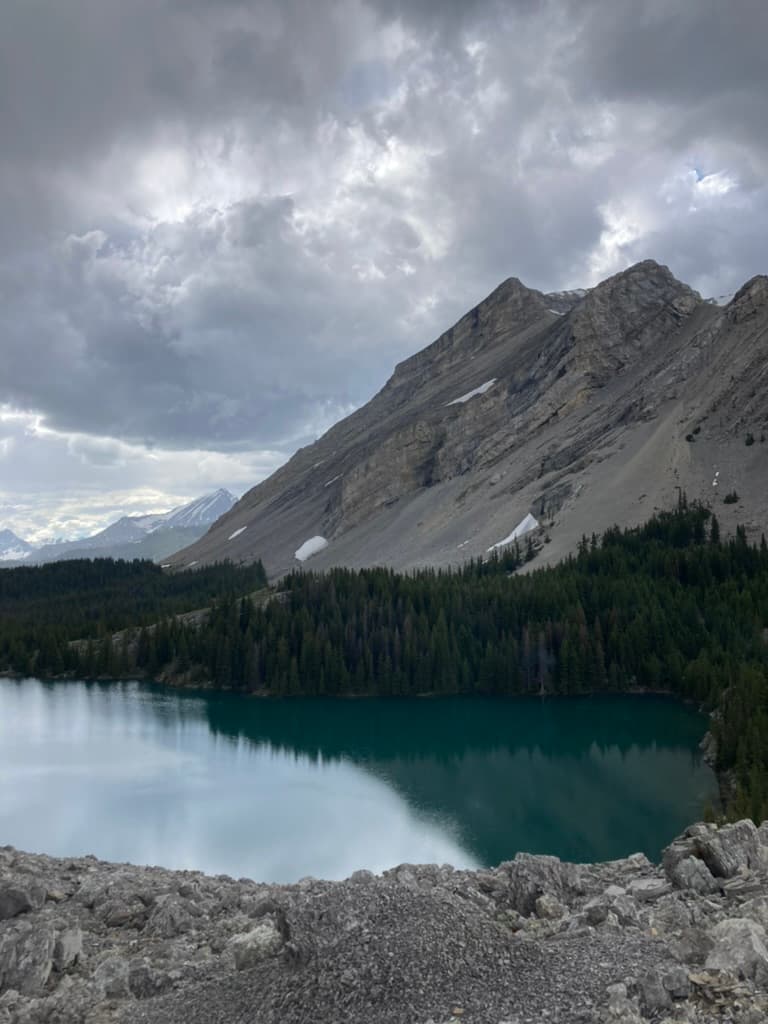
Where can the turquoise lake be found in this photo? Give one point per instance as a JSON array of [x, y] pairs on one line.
[[279, 789]]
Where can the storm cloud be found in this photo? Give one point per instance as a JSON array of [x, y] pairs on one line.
[[222, 222]]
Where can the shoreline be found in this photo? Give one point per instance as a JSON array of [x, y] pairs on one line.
[[535, 938]]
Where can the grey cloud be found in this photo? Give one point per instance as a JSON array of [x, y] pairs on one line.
[[224, 222], [673, 49], [703, 63]]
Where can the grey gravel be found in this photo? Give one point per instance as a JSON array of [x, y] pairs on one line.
[[532, 940]]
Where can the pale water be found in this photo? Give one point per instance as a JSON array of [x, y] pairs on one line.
[[275, 790]]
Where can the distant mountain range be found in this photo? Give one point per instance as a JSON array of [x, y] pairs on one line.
[[153, 536], [13, 548]]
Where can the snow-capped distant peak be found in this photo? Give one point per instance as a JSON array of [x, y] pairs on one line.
[[200, 512], [203, 511]]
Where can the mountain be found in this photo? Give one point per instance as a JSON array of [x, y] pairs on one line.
[[202, 512], [13, 548], [561, 413], [153, 536]]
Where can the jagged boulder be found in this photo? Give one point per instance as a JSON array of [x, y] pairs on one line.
[[170, 917], [739, 945], [654, 995], [17, 899], [250, 948], [67, 948], [729, 849], [111, 978], [721, 854], [26, 958], [692, 873], [528, 877]]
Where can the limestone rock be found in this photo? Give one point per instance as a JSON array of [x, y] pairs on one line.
[[596, 910], [739, 945], [531, 876], [111, 978], [692, 873], [648, 889], [17, 899], [676, 982], [67, 948], [145, 982], [729, 849], [252, 947], [549, 908], [626, 911], [169, 918], [692, 946], [26, 958], [757, 910], [654, 995]]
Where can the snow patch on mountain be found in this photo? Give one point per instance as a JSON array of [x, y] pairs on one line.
[[310, 547], [475, 391], [524, 526], [237, 533]]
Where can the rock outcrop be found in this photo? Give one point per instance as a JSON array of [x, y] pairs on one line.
[[532, 940], [583, 409]]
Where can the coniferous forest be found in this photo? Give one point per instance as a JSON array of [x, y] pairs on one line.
[[667, 606]]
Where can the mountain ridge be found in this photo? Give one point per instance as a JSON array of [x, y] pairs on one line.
[[582, 418], [13, 547], [154, 535]]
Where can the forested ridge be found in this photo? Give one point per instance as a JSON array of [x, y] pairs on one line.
[[669, 606], [43, 608]]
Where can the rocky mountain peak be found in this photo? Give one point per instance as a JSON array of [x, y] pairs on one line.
[[642, 287], [750, 298], [509, 308], [624, 316], [577, 409]]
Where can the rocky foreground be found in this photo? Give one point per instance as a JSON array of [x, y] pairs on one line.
[[532, 940]]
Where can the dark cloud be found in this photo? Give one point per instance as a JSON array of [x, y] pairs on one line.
[[672, 50], [224, 222]]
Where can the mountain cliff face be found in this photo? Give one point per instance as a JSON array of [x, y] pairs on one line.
[[575, 409]]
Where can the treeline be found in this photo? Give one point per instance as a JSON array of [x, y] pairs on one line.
[[668, 606], [42, 608]]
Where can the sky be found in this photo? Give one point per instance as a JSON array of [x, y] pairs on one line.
[[223, 222]]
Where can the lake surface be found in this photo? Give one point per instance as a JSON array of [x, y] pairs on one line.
[[279, 789]]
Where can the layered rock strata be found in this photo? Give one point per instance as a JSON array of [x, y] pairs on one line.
[[582, 409]]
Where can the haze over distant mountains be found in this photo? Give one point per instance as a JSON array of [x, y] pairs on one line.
[[563, 413], [152, 536], [13, 548]]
